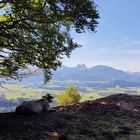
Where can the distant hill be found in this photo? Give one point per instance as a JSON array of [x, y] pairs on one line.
[[102, 76], [97, 73]]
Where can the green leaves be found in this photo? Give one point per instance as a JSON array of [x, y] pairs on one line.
[[37, 32], [70, 96]]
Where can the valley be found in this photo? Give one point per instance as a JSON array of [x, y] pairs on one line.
[[14, 94], [93, 83]]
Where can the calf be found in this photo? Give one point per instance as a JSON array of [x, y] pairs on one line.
[[32, 107]]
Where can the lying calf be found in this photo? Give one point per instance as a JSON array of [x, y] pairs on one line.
[[37, 106]]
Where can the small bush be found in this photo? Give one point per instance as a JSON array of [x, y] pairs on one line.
[[69, 96]]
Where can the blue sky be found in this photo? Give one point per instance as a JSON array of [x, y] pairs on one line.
[[117, 40]]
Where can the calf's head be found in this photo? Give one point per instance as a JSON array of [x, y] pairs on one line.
[[48, 97]]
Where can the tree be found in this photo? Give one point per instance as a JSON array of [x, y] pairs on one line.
[[38, 33], [70, 96]]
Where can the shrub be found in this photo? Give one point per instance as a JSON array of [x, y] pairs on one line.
[[70, 96]]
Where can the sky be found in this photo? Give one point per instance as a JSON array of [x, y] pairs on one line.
[[117, 40]]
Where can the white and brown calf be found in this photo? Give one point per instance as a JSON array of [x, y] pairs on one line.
[[38, 106]]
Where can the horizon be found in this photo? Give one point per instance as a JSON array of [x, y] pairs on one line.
[[100, 65], [117, 40]]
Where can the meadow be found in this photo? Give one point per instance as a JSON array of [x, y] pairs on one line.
[[13, 94]]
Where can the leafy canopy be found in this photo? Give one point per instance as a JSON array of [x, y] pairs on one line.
[[37, 32], [70, 96]]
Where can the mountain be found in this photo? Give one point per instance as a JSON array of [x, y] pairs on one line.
[[97, 73], [101, 76]]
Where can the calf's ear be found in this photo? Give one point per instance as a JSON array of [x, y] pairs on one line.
[[47, 96]]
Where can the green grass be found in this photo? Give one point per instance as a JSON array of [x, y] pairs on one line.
[[18, 91], [15, 92], [90, 96], [111, 91], [89, 89], [135, 89]]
